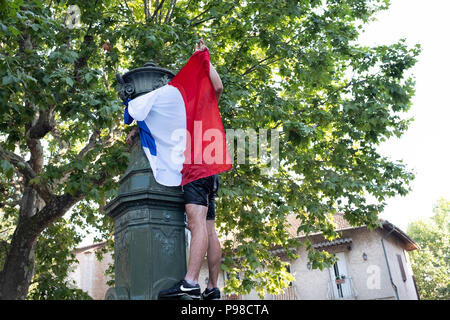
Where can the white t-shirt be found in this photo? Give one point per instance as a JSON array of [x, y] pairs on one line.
[[164, 114]]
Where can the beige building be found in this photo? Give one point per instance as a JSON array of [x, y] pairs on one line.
[[371, 265], [89, 273]]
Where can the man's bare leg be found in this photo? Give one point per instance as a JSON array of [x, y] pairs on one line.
[[199, 241], [214, 254]]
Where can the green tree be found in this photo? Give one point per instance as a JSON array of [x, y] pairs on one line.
[[294, 66], [431, 264]]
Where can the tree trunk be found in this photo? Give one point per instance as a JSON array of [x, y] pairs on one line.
[[17, 273], [18, 269]]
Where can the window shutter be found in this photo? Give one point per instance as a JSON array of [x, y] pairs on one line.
[[402, 270]]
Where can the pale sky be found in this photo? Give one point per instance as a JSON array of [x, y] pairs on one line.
[[425, 146]]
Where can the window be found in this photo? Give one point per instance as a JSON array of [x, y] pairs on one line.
[[339, 279], [288, 269]]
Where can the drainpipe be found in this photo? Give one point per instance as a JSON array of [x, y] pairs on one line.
[[387, 262]]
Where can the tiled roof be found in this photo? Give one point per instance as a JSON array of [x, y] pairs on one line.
[[90, 247], [410, 244], [332, 243], [341, 224], [293, 224]]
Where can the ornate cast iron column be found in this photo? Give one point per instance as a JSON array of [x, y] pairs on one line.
[[149, 227]]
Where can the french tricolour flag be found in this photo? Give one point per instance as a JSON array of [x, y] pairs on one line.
[[180, 126]]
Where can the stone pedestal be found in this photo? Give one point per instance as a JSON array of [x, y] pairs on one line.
[[149, 233]]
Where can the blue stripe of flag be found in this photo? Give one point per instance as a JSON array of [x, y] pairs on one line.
[[147, 139]]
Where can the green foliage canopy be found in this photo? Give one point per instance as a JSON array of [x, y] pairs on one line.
[[431, 264], [294, 66]]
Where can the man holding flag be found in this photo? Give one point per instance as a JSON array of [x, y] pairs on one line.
[[174, 121]]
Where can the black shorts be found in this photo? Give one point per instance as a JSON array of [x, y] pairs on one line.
[[202, 192]]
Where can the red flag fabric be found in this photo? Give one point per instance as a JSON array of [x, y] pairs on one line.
[[206, 150]]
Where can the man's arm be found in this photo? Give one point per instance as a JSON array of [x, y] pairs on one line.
[[213, 75], [216, 81]]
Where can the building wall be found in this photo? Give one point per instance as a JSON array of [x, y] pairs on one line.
[[370, 277], [406, 289], [89, 273]]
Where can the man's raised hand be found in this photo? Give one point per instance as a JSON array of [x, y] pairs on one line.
[[200, 46]]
